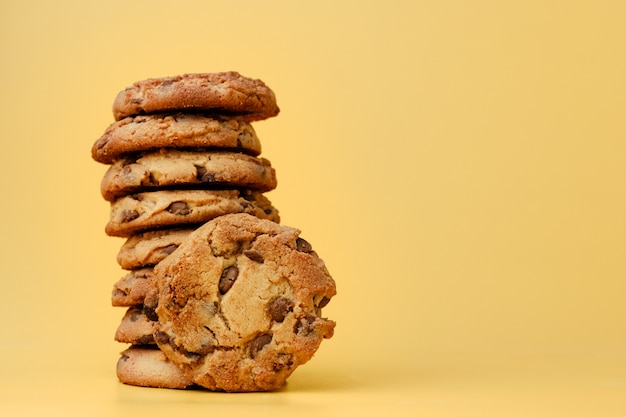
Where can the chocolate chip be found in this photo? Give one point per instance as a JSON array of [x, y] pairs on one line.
[[189, 355], [254, 255], [169, 249], [303, 246], [277, 367], [228, 278], [150, 180], [203, 175], [161, 337], [146, 339], [151, 300], [258, 342], [247, 195], [304, 326], [129, 215], [283, 361], [192, 356], [323, 302], [135, 313], [206, 348], [150, 313], [279, 308], [179, 207]]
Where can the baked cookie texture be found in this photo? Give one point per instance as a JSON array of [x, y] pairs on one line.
[[147, 366], [132, 288], [170, 169], [217, 293], [150, 248], [239, 304], [175, 131], [136, 327], [223, 93], [143, 212]]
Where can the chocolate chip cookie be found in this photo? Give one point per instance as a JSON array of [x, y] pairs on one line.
[[217, 293], [222, 92], [240, 304], [143, 212], [147, 366], [132, 288], [174, 169], [136, 327], [177, 131], [150, 248]]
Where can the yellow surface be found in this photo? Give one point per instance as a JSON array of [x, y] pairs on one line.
[[460, 166]]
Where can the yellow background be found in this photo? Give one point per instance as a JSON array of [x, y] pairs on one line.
[[459, 165]]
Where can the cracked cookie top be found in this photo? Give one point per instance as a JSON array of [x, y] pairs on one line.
[[175, 169], [240, 302], [174, 131], [223, 92]]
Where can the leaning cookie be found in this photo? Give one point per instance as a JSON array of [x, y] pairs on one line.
[[222, 92], [239, 304], [178, 130], [171, 169], [141, 212], [150, 248], [147, 366]]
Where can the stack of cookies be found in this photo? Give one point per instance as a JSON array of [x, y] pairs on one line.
[[216, 293]]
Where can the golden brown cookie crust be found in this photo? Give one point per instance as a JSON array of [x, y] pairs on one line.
[[150, 248], [136, 327], [148, 367], [142, 212], [239, 304], [222, 92], [131, 289], [178, 130], [171, 169]]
